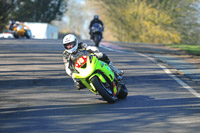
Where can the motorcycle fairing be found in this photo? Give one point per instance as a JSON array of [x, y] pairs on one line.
[[90, 68]]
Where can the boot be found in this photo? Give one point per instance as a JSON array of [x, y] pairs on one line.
[[115, 70], [79, 85]]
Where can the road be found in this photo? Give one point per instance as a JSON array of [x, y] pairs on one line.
[[36, 95]]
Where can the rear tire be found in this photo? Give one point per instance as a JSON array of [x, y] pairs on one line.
[[123, 92], [106, 94], [27, 34]]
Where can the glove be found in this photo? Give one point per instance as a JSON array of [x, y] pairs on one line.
[[84, 45], [98, 54], [92, 48]]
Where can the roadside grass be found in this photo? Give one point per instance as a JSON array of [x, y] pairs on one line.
[[190, 49]]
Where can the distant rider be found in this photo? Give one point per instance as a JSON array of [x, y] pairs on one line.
[[17, 24], [11, 25], [96, 20], [72, 48]]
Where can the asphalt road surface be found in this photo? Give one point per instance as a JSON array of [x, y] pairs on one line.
[[36, 95]]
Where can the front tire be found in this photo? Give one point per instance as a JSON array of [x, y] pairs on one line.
[[97, 39], [15, 35], [106, 93]]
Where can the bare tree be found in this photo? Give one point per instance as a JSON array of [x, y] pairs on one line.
[[77, 18]]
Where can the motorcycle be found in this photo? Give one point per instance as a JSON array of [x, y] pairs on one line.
[[21, 31], [96, 33], [98, 77]]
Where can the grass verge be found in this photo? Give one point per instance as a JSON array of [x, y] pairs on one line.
[[190, 49]]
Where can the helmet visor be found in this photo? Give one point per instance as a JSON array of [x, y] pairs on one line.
[[70, 45]]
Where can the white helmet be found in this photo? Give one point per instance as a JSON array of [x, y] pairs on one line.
[[17, 23], [70, 43]]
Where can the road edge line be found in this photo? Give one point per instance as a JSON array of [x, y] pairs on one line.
[[166, 70]]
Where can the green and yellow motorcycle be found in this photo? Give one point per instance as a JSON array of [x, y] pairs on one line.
[[98, 77]]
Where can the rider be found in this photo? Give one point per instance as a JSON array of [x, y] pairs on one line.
[[96, 20], [17, 23], [11, 25], [72, 48]]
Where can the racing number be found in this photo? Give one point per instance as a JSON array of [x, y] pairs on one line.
[[80, 61]]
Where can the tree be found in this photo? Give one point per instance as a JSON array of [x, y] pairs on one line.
[[185, 15], [152, 21], [40, 10], [6, 8], [31, 10], [76, 19]]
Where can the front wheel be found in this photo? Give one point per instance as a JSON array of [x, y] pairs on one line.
[[15, 34], [106, 93], [97, 39]]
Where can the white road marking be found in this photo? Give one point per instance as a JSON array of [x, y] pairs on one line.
[[187, 87], [111, 49]]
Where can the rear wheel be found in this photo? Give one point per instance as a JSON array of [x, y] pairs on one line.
[[105, 92], [27, 34], [123, 92]]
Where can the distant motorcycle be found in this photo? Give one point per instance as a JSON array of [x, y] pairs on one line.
[[96, 33], [21, 31]]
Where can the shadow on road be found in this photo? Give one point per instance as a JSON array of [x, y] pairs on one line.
[[142, 110]]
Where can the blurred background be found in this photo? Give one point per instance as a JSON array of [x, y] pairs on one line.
[[144, 21]]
